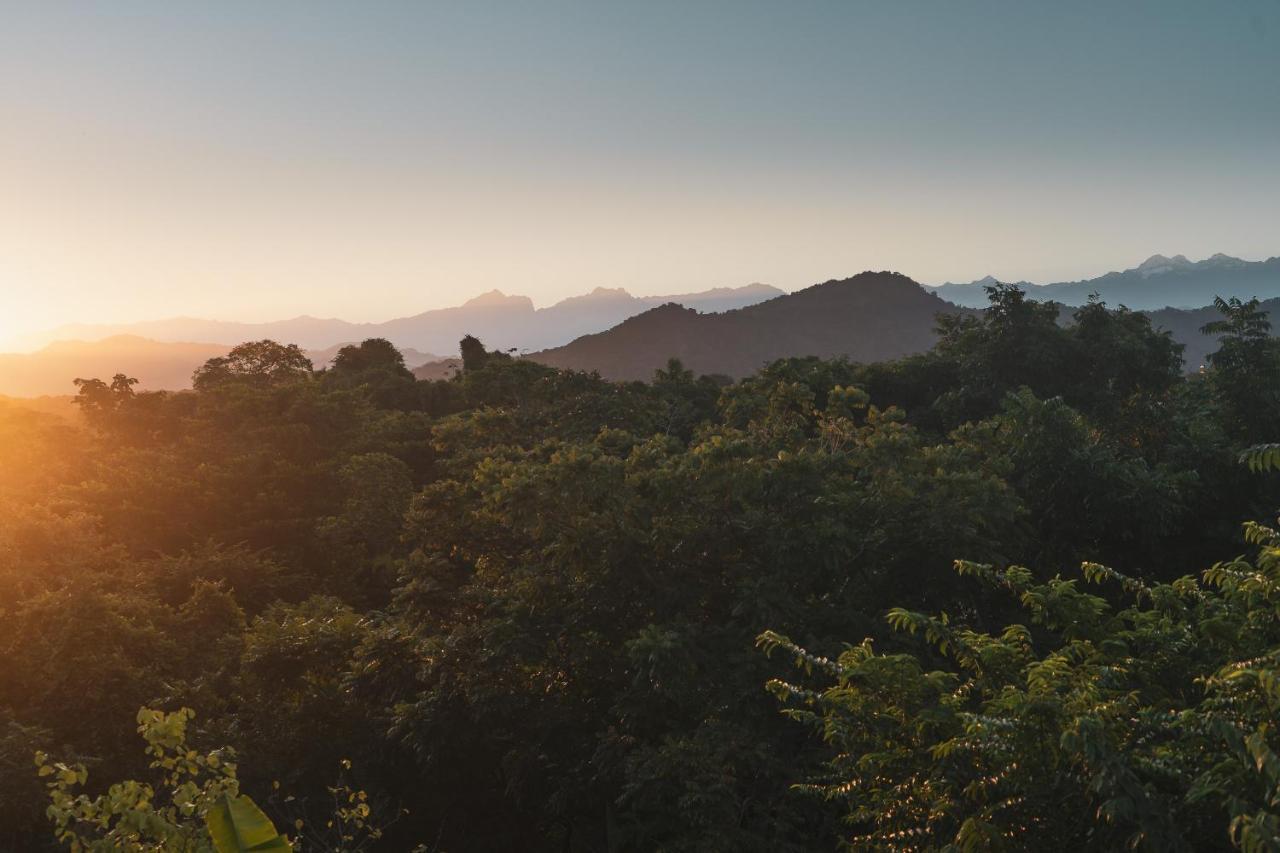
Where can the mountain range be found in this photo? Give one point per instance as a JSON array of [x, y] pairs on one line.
[[1158, 282], [868, 317], [509, 321], [512, 322]]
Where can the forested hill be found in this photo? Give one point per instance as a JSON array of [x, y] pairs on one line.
[[157, 365], [872, 316], [519, 608], [868, 317]]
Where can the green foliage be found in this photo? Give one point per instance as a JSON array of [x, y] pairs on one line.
[[136, 816], [1246, 368], [195, 804], [371, 355], [474, 355], [39, 452], [1109, 364], [258, 363], [1261, 457], [1085, 493], [541, 570], [525, 598], [1088, 726], [99, 401], [289, 705], [378, 368], [348, 821]]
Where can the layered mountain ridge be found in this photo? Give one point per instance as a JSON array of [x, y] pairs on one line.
[[872, 316], [1158, 282], [494, 315], [869, 317]]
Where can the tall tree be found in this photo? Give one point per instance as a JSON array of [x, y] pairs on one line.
[[258, 363], [1245, 370]]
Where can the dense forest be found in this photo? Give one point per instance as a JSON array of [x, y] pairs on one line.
[[1017, 592]]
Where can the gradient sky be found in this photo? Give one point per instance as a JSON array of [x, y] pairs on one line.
[[250, 160]]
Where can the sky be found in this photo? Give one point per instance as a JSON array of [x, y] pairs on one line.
[[254, 161]]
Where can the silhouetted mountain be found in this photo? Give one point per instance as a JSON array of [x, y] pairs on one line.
[[1157, 282], [870, 317], [444, 368], [156, 365], [59, 406], [508, 322]]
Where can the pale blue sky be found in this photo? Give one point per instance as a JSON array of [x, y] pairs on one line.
[[255, 160]]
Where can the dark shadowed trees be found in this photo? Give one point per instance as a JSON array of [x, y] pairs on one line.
[[524, 600], [257, 363], [1245, 370]]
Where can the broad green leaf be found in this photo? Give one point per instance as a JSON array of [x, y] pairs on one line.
[[237, 825]]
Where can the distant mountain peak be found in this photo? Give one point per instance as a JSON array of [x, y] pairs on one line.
[[1157, 264], [609, 293], [498, 299], [606, 297], [1158, 282], [985, 281], [754, 287], [599, 294], [1222, 260], [121, 340]]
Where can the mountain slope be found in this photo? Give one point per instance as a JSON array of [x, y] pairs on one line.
[[445, 368], [1157, 282], [156, 365], [508, 322], [1185, 325], [61, 406], [869, 317]]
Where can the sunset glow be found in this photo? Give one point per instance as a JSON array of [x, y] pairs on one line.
[[729, 426], [251, 163]]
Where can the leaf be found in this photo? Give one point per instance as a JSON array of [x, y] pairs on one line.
[[1261, 457], [237, 825]]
